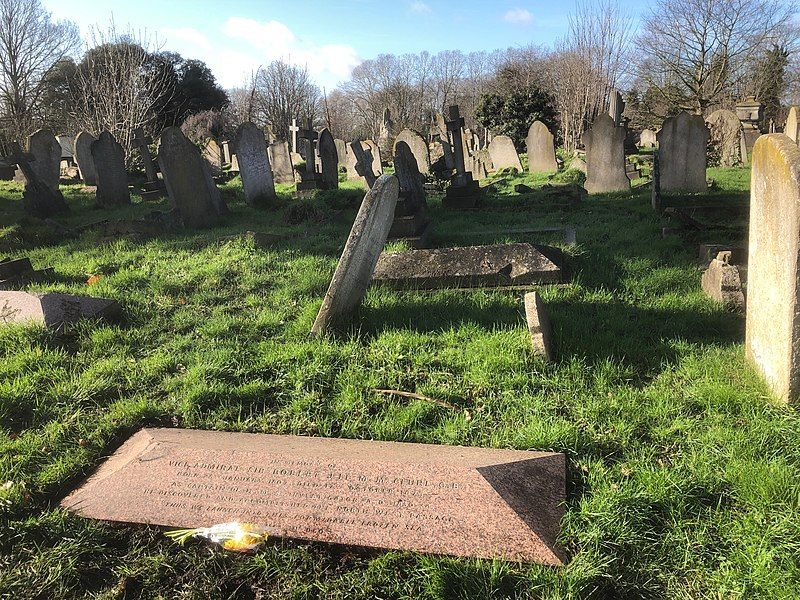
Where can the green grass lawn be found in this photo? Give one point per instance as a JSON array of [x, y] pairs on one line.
[[683, 474]]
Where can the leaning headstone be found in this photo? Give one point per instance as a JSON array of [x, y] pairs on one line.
[[722, 282], [54, 310], [451, 500], [725, 139], [410, 223], [792, 127], [605, 157], [112, 179], [361, 163], [357, 263], [647, 139], [46, 151], [83, 156], [419, 149], [682, 147], [377, 163], [212, 153], [502, 265], [539, 326], [503, 153], [329, 157], [254, 167], [773, 290], [17, 273], [281, 161], [541, 149], [38, 198], [188, 178]]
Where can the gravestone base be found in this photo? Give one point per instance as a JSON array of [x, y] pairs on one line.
[[16, 274], [307, 187], [463, 197], [722, 282], [502, 265], [54, 310]]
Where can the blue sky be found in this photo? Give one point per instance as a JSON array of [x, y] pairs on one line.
[[330, 37]]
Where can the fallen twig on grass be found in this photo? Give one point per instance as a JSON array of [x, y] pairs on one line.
[[416, 397]]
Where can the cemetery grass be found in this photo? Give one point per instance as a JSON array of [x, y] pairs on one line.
[[683, 478]]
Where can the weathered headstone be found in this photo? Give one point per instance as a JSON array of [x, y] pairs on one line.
[[751, 115], [212, 153], [386, 131], [188, 178], [463, 191], [773, 293], [361, 161], [38, 198], [419, 148], [682, 147], [357, 263], [722, 282], [281, 161], [616, 107], [605, 157], [451, 500], [341, 153], [112, 179], [541, 149], [17, 273], [503, 265], [377, 163], [503, 153], [539, 326], [310, 179], [254, 167], [329, 158], [54, 310], [83, 157], [153, 187], [46, 151], [725, 139], [410, 223], [647, 139], [792, 127]]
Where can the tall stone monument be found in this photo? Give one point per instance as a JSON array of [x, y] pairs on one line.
[[463, 191]]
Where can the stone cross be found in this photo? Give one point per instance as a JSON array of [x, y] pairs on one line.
[[142, 143], [454, 126], [294, 129], [309, 135]]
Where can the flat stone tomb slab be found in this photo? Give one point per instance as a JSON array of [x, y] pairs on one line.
[[472, 266], [474, 502], [53, 310]]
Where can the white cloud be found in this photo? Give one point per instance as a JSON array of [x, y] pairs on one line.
[[518, 16], [419, 7], [245, 44]]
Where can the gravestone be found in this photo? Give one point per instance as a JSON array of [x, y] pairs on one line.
[[309, 178], [112, 179], [541, 149], [341, 153], [46, 151], [616, 106], [451, 500], [357, 263], [682, 147], [17, 273], [385, 134], [463, 191], [329, 157], [410, 222], [722, 282], [254, 167], [83, 157], [419, 149], [194, 195], [38, 199], [503, 265], [647, 139], [54, 310], [792, 127], [361, 163], [375, 152], [281, 161], [725, 139], [153, 187], [67, 143], [503, 153], [293, 131], [605, 157], [539, 326], [773, 307], [212, 153]]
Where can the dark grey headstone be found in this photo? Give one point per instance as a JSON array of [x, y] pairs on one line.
[[281, 161], [605, 157], [112, 179], [412, 190], [329, 157], [682, 153], [46, 151], [83, 157]]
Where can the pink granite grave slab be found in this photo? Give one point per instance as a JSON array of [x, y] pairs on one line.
[[472, 502]]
